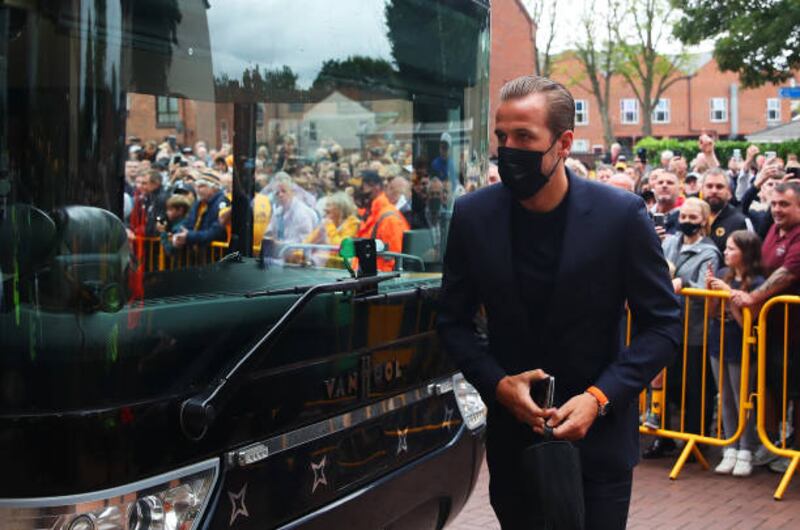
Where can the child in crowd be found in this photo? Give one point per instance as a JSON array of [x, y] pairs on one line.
[[742, 271], [178, 207]]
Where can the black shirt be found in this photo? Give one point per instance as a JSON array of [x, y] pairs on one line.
[[536, 243]]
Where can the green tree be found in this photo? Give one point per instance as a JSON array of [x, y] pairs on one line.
[[257, 85], [758, 39], [598, 52], [354, 71], [544, 63], [648, 72]]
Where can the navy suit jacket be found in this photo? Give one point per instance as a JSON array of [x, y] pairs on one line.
[[610, 254]]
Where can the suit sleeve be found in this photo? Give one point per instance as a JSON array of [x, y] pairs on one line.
[[458, 304], [655, 310]]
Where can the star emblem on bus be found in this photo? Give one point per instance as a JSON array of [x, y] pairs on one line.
[[238, 506], [319, 473], [402, 440]]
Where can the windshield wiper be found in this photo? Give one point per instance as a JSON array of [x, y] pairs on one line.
[[198, 412]]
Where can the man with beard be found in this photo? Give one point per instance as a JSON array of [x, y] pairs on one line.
[[530, 252], [666, 188], [384, 221], [725, 218]]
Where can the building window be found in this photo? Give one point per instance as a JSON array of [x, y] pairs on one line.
[[773, 109], [661, 111], [581, 112], [296, 106], [719, 109], [629, 110], [580, 146], [167, 114]]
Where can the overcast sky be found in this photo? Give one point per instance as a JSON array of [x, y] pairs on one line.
[[299, 34], [568, 21]]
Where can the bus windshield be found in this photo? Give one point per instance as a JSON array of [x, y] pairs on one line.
[[161, 158]]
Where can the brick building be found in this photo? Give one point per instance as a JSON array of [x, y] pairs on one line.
[[513, 51], [703, 100]]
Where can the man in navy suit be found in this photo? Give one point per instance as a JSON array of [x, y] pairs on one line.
[[553, 258]]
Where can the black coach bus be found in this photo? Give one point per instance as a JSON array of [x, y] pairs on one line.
[[241, 390]]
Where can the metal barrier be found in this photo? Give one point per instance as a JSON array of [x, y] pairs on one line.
[[761, 416], [692, 439], [154, 257]]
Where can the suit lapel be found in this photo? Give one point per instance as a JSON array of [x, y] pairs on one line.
[[499, 236], [579, 204]]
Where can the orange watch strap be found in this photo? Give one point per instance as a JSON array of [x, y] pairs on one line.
[[598, 394]]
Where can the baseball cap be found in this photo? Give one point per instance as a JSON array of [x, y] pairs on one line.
[[370, 176]]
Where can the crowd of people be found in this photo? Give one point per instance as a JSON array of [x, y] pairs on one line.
[[733, 227], [183, 194], [736, 228]]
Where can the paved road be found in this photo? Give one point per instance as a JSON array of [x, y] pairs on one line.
[[697, 500]]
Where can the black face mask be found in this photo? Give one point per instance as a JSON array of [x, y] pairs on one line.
[[521, 170], [362, 198], [689, 229]]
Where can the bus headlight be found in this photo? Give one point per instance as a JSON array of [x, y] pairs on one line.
[[470, 404], [173, 501]]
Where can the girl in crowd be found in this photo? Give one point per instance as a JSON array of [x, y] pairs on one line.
[[742, 271]]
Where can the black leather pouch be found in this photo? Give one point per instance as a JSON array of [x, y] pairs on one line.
[[555, 484]]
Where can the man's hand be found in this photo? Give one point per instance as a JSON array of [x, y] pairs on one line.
[[767, 172], [751, 153], [573, 419], [661, 232], [179, 239], [706, 144], [741, 298], [514, 393]]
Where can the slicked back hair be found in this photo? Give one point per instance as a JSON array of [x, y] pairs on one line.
[[560, 103]]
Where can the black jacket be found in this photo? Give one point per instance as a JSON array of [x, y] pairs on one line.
[[610, 254], [728, 220]]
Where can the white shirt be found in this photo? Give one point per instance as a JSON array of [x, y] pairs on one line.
[[293, 223]]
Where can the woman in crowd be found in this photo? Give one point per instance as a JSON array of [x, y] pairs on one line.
[[340, 221], [692, 253], [742, 271]]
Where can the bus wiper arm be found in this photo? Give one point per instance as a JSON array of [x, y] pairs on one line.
[[198, 412]]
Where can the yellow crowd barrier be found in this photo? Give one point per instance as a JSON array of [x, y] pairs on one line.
[[761, 417], [692, 439], [155, 258]]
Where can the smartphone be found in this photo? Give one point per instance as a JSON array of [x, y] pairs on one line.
[[737, 154], [543, 392], [659, 219], [770, 155]]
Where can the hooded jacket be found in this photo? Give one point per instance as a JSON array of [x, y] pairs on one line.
[[691, 263]]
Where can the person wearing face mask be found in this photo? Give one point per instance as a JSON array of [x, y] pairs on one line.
[[725, 218], [552, 258], [693, 254]]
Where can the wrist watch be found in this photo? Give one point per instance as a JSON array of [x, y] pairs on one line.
[[603, 404]]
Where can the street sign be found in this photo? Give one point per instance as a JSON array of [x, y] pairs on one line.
[[789, 92]]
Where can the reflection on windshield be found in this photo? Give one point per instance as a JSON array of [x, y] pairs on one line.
[[159, 138]]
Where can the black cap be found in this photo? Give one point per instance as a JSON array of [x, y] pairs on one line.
[[369, 176]]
